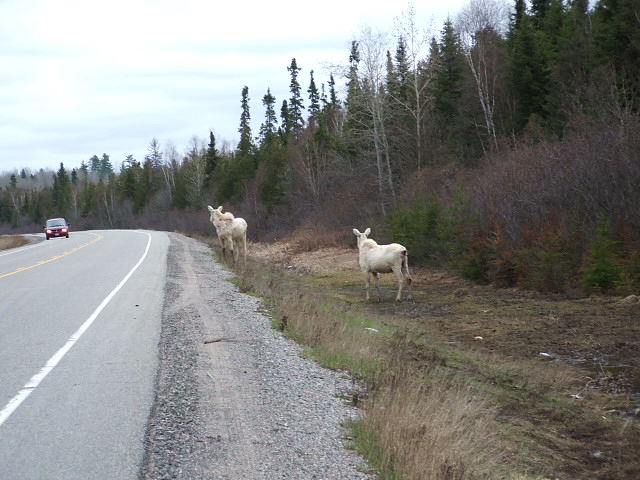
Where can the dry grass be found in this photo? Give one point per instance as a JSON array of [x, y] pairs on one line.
[[440, 403], [12, 241], [426, 427]]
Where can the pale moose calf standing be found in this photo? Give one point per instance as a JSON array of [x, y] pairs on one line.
[[232, 232], [376, 259]]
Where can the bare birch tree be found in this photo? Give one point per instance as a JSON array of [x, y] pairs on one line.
[[417, 42], [170, 166], [480, 25], [195, 171], [373, 47]]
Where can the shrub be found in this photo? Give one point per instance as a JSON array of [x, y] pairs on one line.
[[602, 268], [543, 258], [430, 232], [475, 262], [417, 227]]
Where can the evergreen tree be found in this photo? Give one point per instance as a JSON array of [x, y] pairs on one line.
[[146, 185], [268, 129], [245, 144], [531, 40], [94, 164], [212, 157], [62, 191], [235, 169], [106, 168], [356, 114], [616, 35], [155, 154], [272, 157], [398, 104], [332, 110], [314, 100], [296, 105], [448, 87], [128, 162], [398, 73], [285, 120], [128, 182], [272, 187], [333, 96], [87, 199], [574, 60]]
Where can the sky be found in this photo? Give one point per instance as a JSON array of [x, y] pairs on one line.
[[83, 77]]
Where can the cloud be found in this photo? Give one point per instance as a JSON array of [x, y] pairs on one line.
[[85, 77]]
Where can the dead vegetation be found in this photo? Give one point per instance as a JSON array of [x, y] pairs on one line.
[[12, 241], [466, 381]]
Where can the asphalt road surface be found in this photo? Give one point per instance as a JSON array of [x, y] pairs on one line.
[[79, 332]]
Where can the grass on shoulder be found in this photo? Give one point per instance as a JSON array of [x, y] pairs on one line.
[[12, 241], [433, 408]]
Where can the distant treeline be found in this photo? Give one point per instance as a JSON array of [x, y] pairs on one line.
[[507, 146]]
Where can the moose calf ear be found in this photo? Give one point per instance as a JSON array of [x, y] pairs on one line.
[[356, 232], [367, 231], [210, 208]]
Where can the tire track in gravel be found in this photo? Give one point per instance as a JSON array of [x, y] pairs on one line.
[[243, 405]]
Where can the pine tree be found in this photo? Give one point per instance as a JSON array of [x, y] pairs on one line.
[[332, 110], [87, 199], [448, 86], [296, 105], [616, 32], [574, 59], [314, 101], [522, 72], [94, 164], [398, 73], [152, 167], [106, 168], [128, 162], [285, 120], [62, 191], [146, 185], [333, 96], [155, 154], [128, 181], [356, 115], [212, 158], [245, 144], [269, 128]]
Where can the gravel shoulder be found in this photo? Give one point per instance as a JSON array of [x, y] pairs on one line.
[[234, 400]]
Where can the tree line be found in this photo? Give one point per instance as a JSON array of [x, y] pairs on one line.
[[504, 146]]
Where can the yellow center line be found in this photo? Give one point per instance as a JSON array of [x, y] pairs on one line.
[[57, 257]]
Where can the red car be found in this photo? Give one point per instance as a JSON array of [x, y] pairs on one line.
[[56, 227]]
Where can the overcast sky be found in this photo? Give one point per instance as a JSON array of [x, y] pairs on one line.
[[85, 77]]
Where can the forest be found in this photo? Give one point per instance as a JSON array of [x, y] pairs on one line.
[[505, 147]]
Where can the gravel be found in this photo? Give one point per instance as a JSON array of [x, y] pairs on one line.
[[234, 399]]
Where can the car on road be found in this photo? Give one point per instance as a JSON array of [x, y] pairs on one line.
[[56, 227]]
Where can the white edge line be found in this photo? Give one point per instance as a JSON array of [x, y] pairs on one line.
[[20, 249], [35, 381]]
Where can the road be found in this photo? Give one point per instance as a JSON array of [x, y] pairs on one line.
[[79, 331]]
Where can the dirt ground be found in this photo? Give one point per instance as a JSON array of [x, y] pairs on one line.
[[595, 338], [599, 334]]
